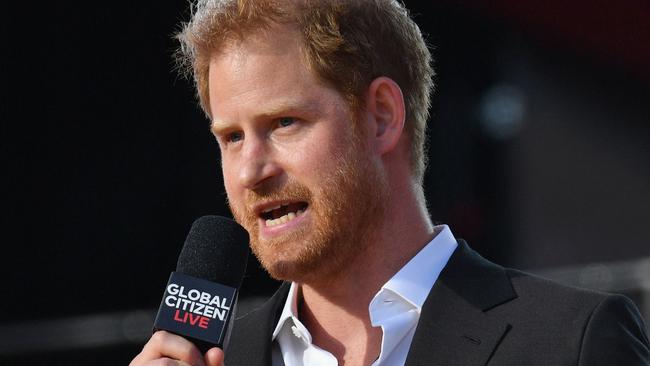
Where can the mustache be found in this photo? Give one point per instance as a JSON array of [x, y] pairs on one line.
[[290, 191]]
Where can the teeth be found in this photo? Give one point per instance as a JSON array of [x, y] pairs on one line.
[[283, 219], [272, 208]]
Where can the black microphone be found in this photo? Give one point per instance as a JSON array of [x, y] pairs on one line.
[[200, 297]]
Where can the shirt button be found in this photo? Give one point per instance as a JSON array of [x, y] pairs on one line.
[[295, 331]]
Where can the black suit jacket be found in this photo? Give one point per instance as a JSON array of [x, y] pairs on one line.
[[479, 313]]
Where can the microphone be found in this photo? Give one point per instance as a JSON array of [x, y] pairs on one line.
[[200, 297]]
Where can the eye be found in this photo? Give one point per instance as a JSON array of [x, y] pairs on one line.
[[286, 121], [234, 136]]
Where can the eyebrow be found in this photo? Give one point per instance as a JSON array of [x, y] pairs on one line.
[[218, 127]]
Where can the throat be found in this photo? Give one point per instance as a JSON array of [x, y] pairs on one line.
[[348, 337]]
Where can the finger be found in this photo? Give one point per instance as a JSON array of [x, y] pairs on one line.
[[167, 362], [214, 357], [164, 344]]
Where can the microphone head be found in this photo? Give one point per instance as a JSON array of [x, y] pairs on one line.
[[216, 249]]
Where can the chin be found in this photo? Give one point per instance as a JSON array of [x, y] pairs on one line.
[[305, 268], [295, 266], [283, 271], [281, 268]]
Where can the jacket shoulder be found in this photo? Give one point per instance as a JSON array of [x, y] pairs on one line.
[[556, 320]]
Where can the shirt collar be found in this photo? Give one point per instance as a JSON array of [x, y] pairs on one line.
[[414, 281], [290, 310], [397, 305]]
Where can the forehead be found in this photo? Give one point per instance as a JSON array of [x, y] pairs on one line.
[[264, 71]]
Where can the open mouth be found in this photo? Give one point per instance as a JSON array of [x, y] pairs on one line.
[[283, 213]]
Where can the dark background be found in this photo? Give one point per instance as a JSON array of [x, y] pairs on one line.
[[539, 154]]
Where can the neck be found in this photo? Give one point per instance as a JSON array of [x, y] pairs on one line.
[[335, 309]]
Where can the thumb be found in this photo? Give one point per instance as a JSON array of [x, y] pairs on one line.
[[214, 357]]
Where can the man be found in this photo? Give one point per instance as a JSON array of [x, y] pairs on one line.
[[319, 109]]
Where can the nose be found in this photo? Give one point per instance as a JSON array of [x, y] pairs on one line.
[[257, 164]]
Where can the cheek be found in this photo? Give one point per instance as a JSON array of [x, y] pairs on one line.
[[229, 182], [319, 155]]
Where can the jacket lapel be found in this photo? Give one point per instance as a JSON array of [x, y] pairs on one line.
[[454, 328], [251, 334]]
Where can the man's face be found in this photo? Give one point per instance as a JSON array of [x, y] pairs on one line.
[[299, 175]]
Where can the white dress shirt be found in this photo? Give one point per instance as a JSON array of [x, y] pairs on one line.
[[395, 308]]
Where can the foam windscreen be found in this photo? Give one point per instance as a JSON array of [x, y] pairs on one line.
[[216, 249]]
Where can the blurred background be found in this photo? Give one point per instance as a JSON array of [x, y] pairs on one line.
[[539, 157]]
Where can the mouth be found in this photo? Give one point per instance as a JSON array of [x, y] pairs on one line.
[[281, 213]]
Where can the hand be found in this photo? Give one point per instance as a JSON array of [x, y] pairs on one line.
[[165, 348]]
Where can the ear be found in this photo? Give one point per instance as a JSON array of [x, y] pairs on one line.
[[386, 113]]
